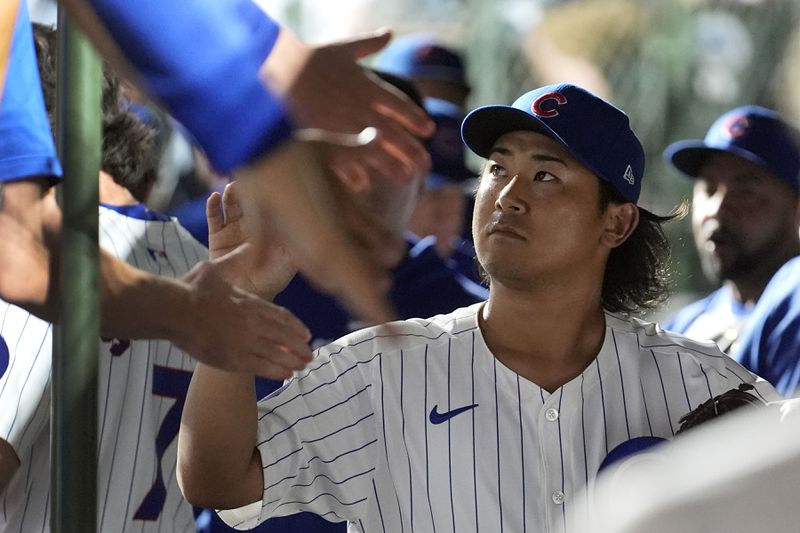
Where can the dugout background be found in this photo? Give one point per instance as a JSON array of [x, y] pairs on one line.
[[673, 65]]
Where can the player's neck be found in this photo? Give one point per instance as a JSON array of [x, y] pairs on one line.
[[546, 340], [112, 193]]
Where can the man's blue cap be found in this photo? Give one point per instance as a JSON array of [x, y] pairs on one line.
[[751, 132], [422, 56], [594, 132], [445, 146]]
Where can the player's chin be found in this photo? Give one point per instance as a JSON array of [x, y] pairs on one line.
[[504, 272]]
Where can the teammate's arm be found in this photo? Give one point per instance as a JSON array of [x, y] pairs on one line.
[[203, 315], [323, 87], [210, 88]]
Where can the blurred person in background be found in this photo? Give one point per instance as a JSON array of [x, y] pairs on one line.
[[442, 200], [436, 69], [439, 72], [744, 216]]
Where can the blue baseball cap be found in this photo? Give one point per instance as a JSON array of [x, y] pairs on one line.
[[751, 132], [592, 130], [445, 146], [422, 56]]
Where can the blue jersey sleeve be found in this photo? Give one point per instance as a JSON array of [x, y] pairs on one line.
[[26, 142], [685, 317], [200, 58], [770, 345]]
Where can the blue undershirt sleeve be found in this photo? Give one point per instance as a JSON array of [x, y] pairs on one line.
[[200, 59], [26, 143]]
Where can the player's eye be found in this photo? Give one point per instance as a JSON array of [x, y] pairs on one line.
[[497, 171], [544, 176]]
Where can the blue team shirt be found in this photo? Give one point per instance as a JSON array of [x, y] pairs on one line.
[[26, 142], [770, 344], [200, 58], [718, 301]]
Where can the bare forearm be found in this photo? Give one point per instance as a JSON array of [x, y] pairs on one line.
[[136, 304], [218, 464]]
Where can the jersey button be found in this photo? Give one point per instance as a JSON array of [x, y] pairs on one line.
[[558, 497], [551, 414]]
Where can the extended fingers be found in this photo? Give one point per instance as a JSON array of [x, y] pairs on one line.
[[214, 214], [231, 205], [398, 146], [395, 105], [363, 46]]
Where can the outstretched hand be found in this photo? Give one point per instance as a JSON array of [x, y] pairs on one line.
[[240, 332], [337, 244], [247, 253], [326, 88]]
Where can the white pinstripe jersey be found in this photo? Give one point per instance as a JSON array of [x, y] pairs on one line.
[[424, 430], [142, 387]]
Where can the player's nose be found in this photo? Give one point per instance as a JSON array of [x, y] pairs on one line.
[[510, 198]]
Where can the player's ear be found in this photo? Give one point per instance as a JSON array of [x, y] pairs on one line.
[[620, 221]]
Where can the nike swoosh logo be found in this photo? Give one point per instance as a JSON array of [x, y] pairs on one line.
[[438, 418]]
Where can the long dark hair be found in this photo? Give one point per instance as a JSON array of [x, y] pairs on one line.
[[639, 272]]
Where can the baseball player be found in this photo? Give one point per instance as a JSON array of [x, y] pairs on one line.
[[142, 383], [422, 285], [142, 387], [495, 416], [744, 216]]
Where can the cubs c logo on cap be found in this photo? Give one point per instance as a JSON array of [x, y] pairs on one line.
[[736, 126], [542, 107]]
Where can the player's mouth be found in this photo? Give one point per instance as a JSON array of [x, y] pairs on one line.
[[719, 239], [503, 229]]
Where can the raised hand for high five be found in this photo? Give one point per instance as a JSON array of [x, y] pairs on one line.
[[331, 239], [246, 252]]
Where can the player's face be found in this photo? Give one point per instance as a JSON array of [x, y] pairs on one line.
[[741, 214], [537, 213]]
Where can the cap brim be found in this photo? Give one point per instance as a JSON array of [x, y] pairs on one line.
[[483, 126], [689, 156]]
